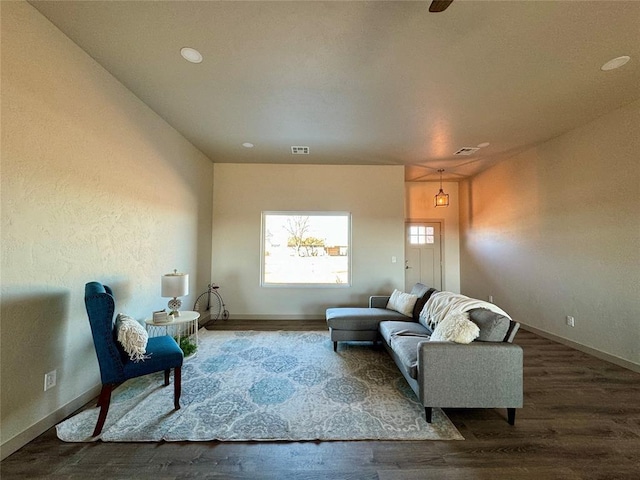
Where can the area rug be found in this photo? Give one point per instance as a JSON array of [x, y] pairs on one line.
[[268, 386]]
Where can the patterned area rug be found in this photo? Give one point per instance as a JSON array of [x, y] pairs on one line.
[[244, 386]]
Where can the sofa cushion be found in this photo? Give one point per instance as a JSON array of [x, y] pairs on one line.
[[456, 328], [359, 318], [390, 329], [402, 302], [493, 326], [403, 338], [423, 293], [405, 348]]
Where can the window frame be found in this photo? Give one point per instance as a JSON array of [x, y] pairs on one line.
[[304, 213]]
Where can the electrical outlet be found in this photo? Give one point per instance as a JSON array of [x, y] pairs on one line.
[[571, 321], [394, 259], [490, 298], [49, 380]]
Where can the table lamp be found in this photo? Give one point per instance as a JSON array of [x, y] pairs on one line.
[[175, 285]]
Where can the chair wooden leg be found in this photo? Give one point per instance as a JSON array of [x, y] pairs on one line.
[[511, 416], [166, 376], [177, 387], [427, 414], [103, 401]]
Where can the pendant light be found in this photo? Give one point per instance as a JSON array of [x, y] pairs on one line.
[[441, 199]]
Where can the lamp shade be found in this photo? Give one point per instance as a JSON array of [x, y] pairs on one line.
[[175, 284]]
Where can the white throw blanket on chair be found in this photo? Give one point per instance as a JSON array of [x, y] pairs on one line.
[[442, 304]]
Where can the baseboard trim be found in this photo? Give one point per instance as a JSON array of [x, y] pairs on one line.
[[20, 440], [621, 362], [278, 317]]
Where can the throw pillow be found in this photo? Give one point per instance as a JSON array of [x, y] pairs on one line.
[[132, 336], [423, 293], [493, 326], [402, 303], [456, 328]]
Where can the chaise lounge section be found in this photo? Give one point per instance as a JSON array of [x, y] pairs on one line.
[[350, 324]]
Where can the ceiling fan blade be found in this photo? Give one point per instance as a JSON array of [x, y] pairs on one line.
[[439, 5]]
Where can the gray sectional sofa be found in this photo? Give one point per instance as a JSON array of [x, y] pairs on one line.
[[486, 373]]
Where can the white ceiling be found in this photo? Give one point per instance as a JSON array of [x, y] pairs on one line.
[[365, 82]]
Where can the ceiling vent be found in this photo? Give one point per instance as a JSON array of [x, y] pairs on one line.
[[467, 151], [300, 150]]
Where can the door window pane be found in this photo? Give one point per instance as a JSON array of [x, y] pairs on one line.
[[421, 235]]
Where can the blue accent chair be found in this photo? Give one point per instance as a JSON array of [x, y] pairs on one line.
[[115, 366]]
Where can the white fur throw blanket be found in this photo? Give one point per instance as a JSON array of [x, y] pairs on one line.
[[442, 304]]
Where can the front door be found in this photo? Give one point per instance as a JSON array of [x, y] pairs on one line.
[[422, 255]]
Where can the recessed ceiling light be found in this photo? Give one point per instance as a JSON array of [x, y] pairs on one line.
[[191, 55], [483, 144], [615, 63], [247, 145]]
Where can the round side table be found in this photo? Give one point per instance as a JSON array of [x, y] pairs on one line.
[[183, 328]]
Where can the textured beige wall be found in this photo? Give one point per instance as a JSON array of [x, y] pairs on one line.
[[95, 186], [419, 207], [373, 195], [555, 231]]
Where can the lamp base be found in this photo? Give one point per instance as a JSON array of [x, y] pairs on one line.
[[174, 304]]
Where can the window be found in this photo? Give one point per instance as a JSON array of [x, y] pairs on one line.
[[306, 248], [419, 235]]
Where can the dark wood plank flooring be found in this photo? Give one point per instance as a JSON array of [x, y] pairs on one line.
[[581, 420]]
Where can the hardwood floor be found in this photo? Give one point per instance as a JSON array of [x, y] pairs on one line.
[[581, 420]]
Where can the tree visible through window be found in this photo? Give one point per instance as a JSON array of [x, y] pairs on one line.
[[305, 248]]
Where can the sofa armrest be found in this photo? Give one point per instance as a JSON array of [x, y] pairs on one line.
[[378, 301], [475, 375]]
